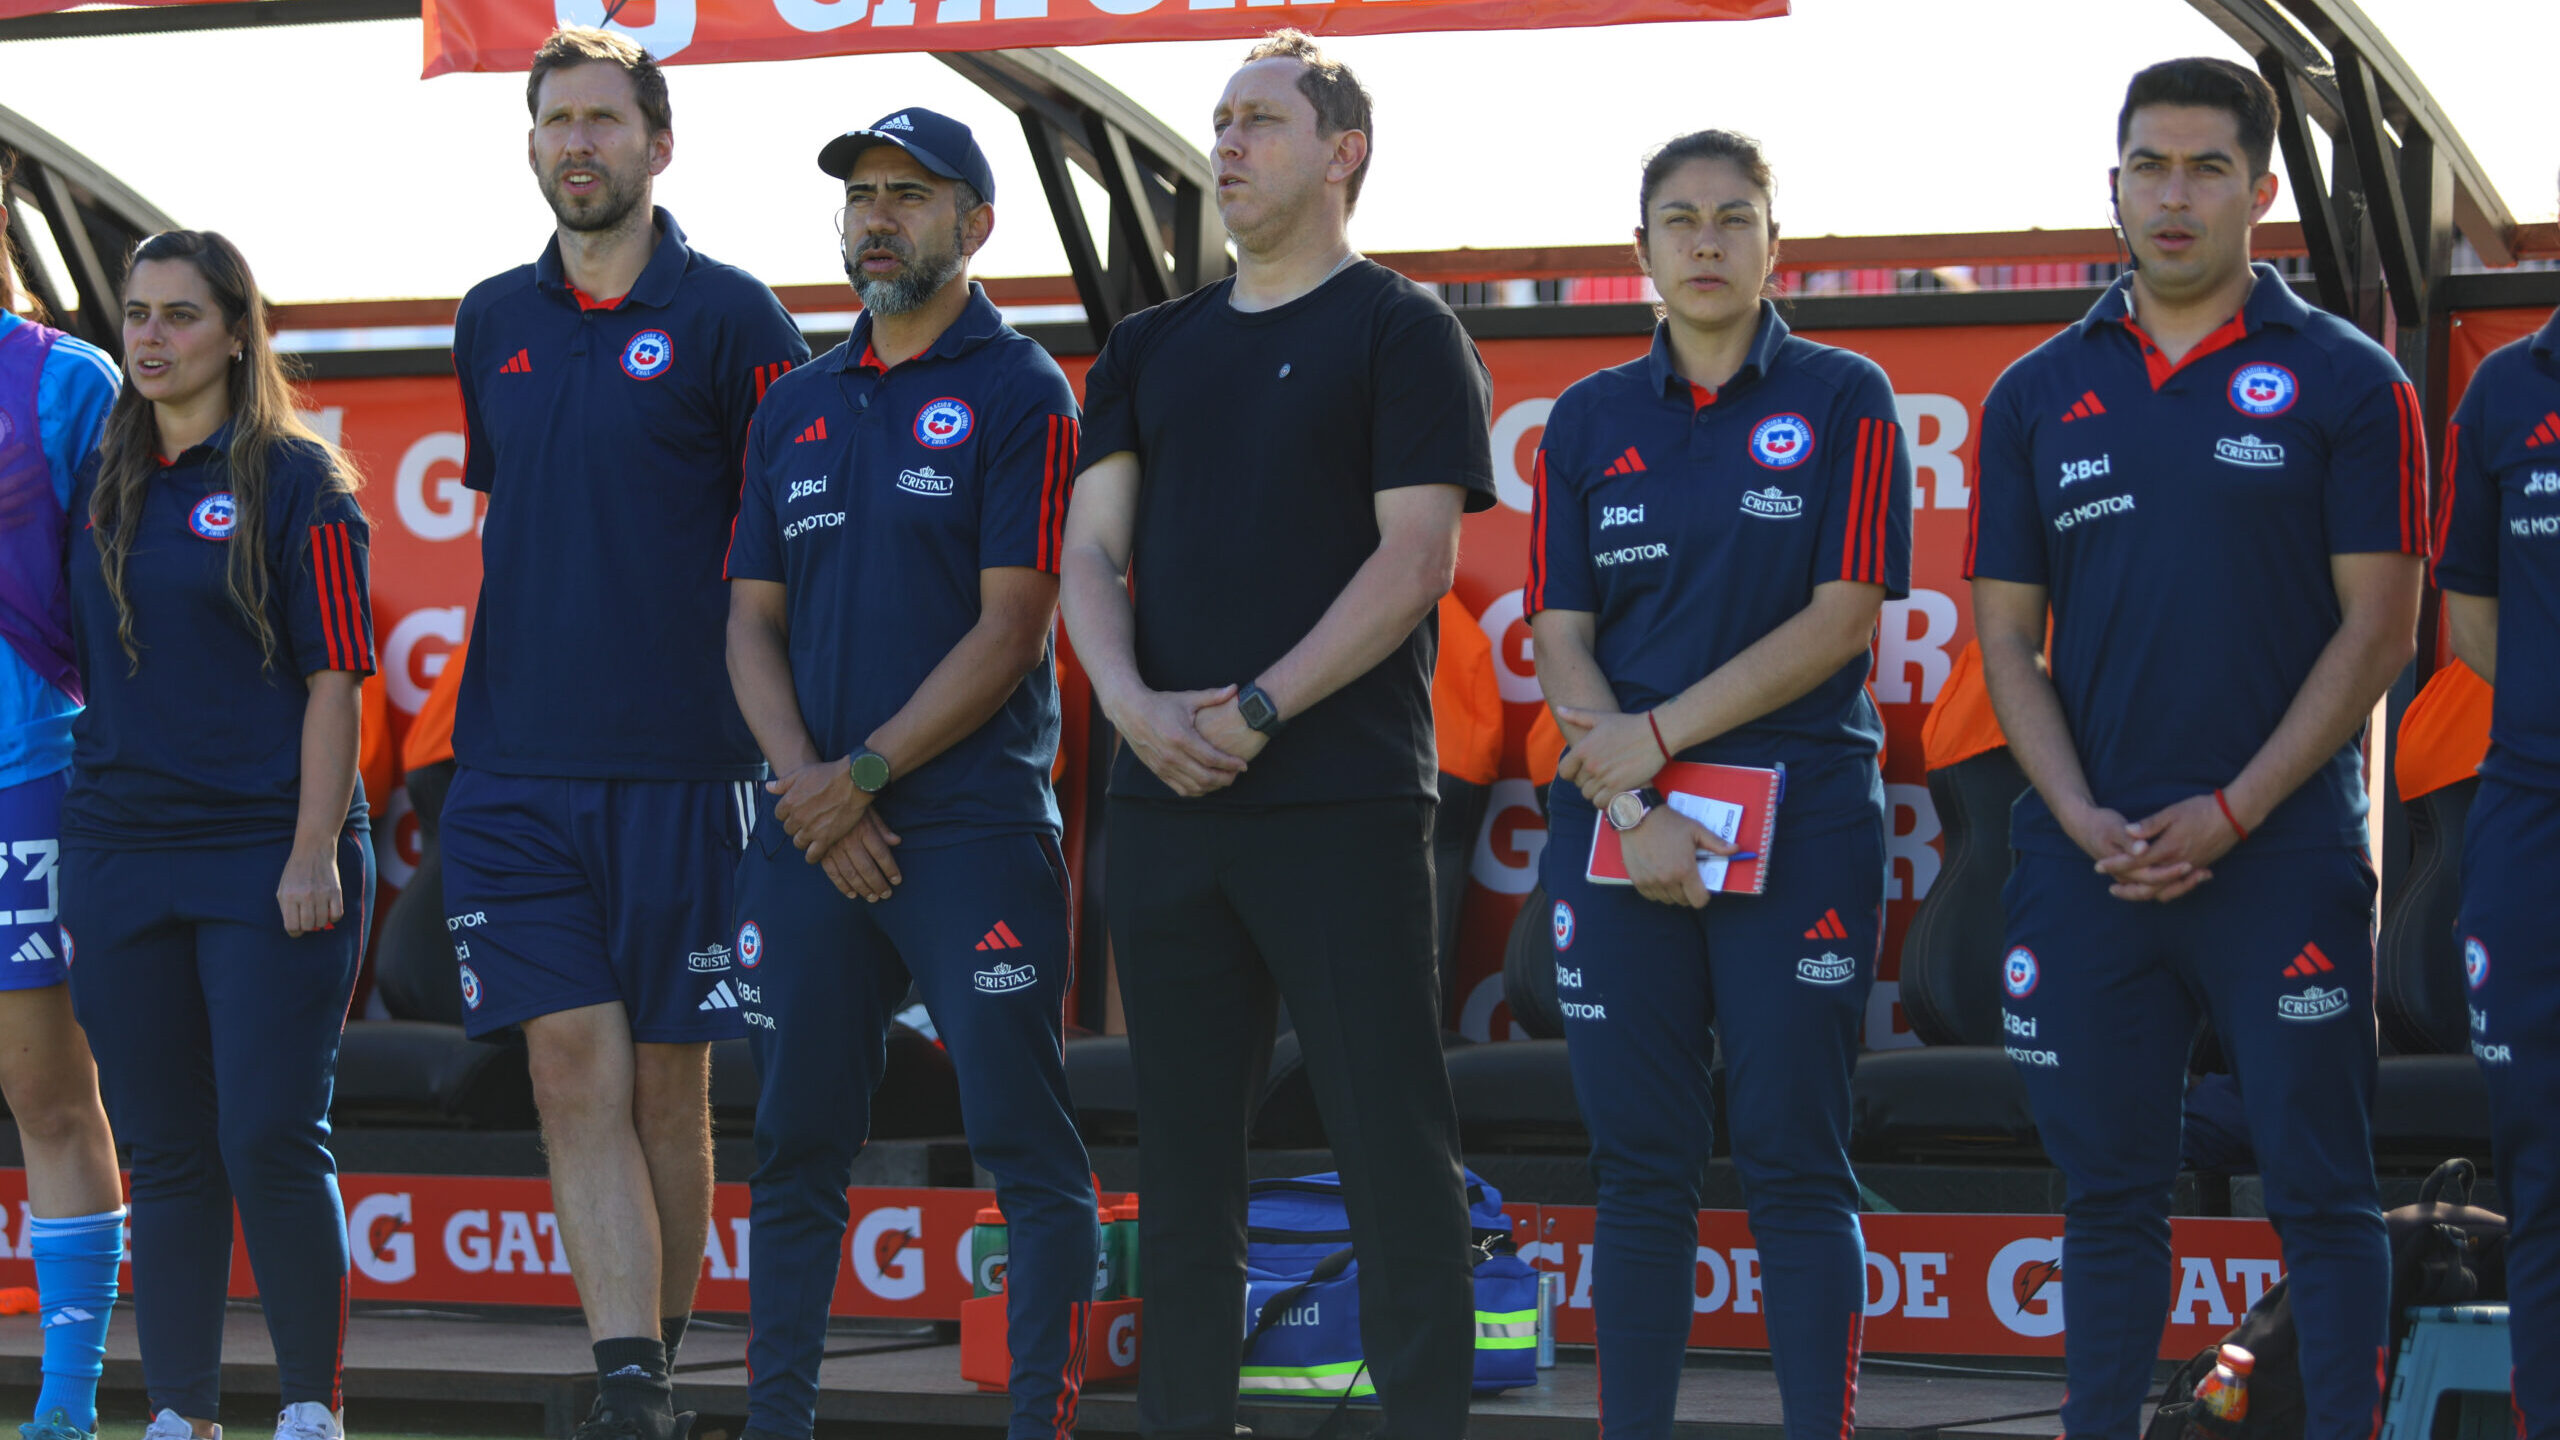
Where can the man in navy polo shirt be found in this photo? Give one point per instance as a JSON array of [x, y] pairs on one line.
[[894, 583], [2221, 493], [601, 803], [2498, 540]]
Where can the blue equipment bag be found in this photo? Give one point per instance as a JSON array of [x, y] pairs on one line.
[[1302, 1295]]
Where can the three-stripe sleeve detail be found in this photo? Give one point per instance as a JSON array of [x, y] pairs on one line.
[[1864, 545], [1057, 484], [346, 630]]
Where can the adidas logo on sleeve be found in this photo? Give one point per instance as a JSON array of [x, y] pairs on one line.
[[720, 998], [34, 951]]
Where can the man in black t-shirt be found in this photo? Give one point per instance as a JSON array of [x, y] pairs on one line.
[[1281, 459]]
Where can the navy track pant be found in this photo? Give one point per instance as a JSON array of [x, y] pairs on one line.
[[217, 1042], [2511, 961], [981, 925], [1647, 991], [2100, 999]]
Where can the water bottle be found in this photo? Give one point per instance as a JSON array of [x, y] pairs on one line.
[[987, 1253], [2224, 1394]]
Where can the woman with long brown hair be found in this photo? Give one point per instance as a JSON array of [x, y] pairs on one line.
[[218, 599], [55, 391]]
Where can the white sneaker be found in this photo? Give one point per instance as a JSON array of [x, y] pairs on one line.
[[306, 1420], [170, 1425]]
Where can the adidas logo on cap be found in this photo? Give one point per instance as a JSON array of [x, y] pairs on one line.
[[895, 122], [34, 951], [720, 998]]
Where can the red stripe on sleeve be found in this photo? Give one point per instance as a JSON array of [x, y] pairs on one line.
[[2415, 495], [1538, 532], [320, 587], [360, 603], [1880, 524], [2444, 501], [1857, 503], [1070, 451]]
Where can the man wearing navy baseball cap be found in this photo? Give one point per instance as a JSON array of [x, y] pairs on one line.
[[893, 583]]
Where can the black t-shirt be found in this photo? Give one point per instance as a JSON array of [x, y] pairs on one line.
[[1263, 439]]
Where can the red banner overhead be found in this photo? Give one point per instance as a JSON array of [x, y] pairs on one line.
[[502, 34]]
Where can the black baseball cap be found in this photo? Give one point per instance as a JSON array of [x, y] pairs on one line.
[[938, 143]]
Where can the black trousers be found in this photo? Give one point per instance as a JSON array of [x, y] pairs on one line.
[[1215, 916]]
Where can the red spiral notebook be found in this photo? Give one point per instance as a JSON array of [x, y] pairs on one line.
[[1738, 802]]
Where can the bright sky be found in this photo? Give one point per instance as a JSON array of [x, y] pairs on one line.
[[342, 174]]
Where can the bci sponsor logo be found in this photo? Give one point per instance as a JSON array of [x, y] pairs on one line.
[[2075, 472], [803, 489], [1612, 515]]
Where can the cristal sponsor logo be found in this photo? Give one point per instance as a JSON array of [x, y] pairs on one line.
[[2543, 482], [1612, 515], [1577, 1010], [472, 921], [2534, 526], [708, 962], [927, 481], [806, 523], [2250, 451], [2094, 510], [1568, 978], [1829, 970], [1631, 554], [2312, 1004], [803, 489], [1772, 504], [2075, 472], [1004, 979]]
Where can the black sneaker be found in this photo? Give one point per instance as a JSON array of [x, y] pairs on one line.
[[603, 1423]]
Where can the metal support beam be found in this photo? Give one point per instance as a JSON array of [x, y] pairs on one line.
[[2323, 230], [2386, 204], [94, 220], [225, 15]]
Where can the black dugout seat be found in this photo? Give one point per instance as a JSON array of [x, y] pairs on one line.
[[1958, 1095], [2419, 993], [1529, 970]]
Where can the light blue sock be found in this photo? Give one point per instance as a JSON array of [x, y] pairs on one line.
[[76, 1286]]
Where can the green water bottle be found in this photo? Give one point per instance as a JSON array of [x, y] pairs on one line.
[[988, 1244], [1120, 1236]]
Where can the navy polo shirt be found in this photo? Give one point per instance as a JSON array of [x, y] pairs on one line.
[[876, 497], [2499, 535], [199, 742], [607, 437], [1692, 522], [2182, 518]]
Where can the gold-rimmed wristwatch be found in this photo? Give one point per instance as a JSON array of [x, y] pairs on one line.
[[1627, 808]]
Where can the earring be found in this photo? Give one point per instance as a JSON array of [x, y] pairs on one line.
[[237, 356]]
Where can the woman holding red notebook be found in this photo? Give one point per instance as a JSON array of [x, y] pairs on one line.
[[1718, 525]]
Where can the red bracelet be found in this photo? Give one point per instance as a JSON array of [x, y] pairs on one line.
[[1657, 735], [2237, 828]]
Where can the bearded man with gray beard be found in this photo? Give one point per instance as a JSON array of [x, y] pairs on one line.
[[893, 587]]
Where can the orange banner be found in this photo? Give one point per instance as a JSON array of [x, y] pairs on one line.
[[502, 34], [1936, 1284]]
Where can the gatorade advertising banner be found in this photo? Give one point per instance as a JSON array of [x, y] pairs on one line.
[[407, 434], [1936, 1284], [502, 34]]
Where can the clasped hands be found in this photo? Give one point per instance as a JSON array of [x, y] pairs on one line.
[[832, 820]]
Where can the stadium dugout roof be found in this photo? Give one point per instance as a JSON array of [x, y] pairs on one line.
[[2380, 225]]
